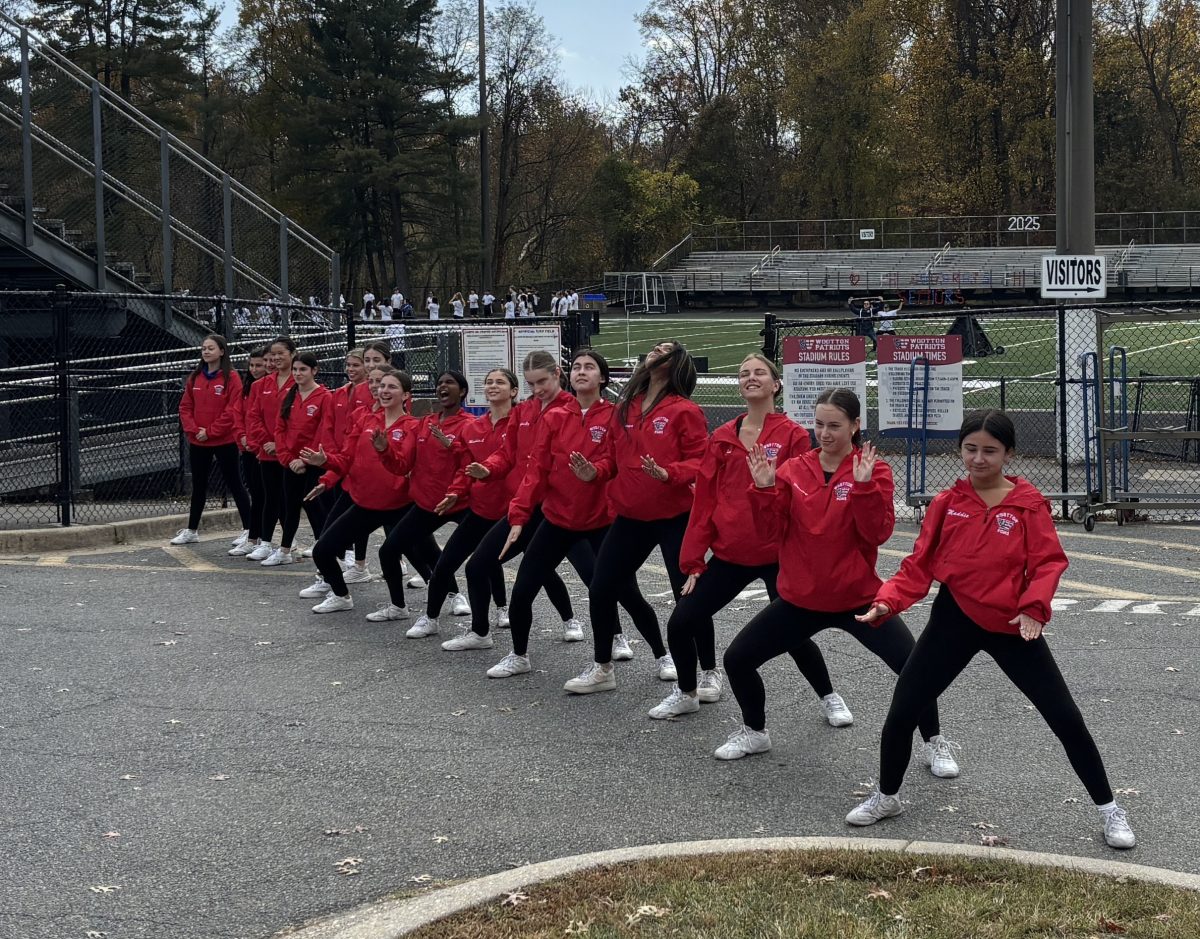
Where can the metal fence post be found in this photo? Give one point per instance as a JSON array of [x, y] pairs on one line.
[[98, 169], [284, 293], [350, 328], [26, 138], [335, 280], [67, 461], [1064, 469], [164, 156]]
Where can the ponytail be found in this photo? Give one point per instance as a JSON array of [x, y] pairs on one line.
[[285, 409]]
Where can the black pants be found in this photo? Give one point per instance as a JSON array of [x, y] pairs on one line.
[[546, 550], [412, 535], [470, 531], [339, 503], [272, 483], [781, 627], [295, 487], [486, 559], [252, 480], [626, 547], [201, 460], [949, 642], [352, 523], [691, 635]]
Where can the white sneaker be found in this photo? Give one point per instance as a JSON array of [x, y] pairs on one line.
[[315, 590], [334, 604], [357, 575], [185, 536], [1117, 832], [425, 626], [511, 664], [595, 677], [262, 552], [416, 582], [939, 758], [348, 559], [836, 712], [621, 651], [675, 704], [387, 613], [710, 686], [244, 549], [277, 557], [460, 605], [403, 568], [502, 618], [242, 538], [876, 808], [744, 742], [468, 640], [572, 630], [665, 666], [301, 551]]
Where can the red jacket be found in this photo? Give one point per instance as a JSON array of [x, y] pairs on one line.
[[997, 562], [675, 434], [522, 429], [214, 404], [430, 465], [828, 533], [262, 412], [339, 417], [360, 466], [243, 405], [566, 500], [722, 502], [489, 497], [362, 396], [302, 427]]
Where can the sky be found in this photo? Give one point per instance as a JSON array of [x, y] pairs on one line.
[[595, 39]]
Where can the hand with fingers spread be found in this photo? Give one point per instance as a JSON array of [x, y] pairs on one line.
[[653, 470], [582, 467], [689, 585], [864, 463], [762, 467], [379, 440], [317, 457], [446, 504], [314, 492], [478, 471], [1030, 628], [877, 612], [513, 534]]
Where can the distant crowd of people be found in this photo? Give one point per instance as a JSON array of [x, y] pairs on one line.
[[517, 303]]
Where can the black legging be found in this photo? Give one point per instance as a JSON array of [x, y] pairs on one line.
[[252, 480], [272, 483], [352, 523], [546, 550], [201, 460], [486, 559], [950, 640], [470, 531], [295, 487], [338, 504], [412, 535], [625, 549], [781, 627], [691, 635]]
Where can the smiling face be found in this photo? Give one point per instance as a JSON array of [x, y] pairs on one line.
[[756, 381], [543, 383], [257, 367], [304, 374], [388, 390], [586, 375], [356, 369], [373, 379], [281, 357], [210, 352], [834, 428], [497, 389], [373, 357], [449, 392], [658, 355], [984, 457]]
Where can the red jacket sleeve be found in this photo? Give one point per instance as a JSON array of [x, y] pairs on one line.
[[282, 454], [771, 509], [1044, 565], [700, 528], [693, 440], [227, 420], [871, 506], [187, 409], [532, 489], [256, 430], [399, 455], [911, 583]]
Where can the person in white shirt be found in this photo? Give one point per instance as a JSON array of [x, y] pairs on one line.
[[457, 303], [522, 309], [368, 298], [473, 302], [554, 305], [385, 312], [433, 307], [573, 300], [488, 299], [397, 299], [510, 309]]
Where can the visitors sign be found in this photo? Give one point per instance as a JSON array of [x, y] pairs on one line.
[[1074, 276]]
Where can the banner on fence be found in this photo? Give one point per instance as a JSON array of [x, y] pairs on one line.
[[902, 384], [526, 339], [813, 363], [484, 349]]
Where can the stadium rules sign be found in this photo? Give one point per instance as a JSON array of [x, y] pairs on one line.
[[813, 363], [1074, 276]]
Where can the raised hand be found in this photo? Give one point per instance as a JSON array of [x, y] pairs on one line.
[[689, 585], [478, 471], [878, 611], [314, 492], [864, 463], [762, 467], [653, 470], [1030, 628], [513, 534], [316, 457], [446, 504], [582, 467], [379, 440]]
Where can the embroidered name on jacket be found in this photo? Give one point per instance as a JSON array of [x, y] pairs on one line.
[[958, 514], [1005, 523]]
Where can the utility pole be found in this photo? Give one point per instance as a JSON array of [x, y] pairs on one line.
[[485, 198]]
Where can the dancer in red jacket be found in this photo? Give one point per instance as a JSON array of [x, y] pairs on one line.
[[991, 544], [563, 479], [718, 523], [256, 368], [652, 459], [211, 415], [829, 510], [262, 414]]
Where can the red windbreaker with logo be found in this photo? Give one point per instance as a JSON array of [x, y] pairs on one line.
[[721, 505], [214, 404], [359, 466], [522, 429], [340, 416], [430, 465], [489, 497], [828, 533], [997, 562], [302, 427], [566, 500], [262, 412]]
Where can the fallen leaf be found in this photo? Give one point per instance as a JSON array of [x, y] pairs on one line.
[[1109, 925], [1070, 800], [878, 893], [111, 834], [948, 808], [1127, 792], [173, 721], [514, 898], [110, 888], [439, 839], [577, 927], [166, 642], [920, 873], [129, 776], [992, 841], [760, 830], [983, 826], [420, 879], [1178, 732], [457, 713], [1170, 668], [220, 777]]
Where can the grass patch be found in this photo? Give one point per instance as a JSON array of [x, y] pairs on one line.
[[826, 894]]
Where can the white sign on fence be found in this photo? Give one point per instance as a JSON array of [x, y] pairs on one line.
[[483, 350], [866, 234], [813, 363], [1074, 276], [526, 339], [944, 405]]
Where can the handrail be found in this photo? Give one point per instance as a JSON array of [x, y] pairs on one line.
[[1125, 255], [764, 261], [938, 258], [685, 240]]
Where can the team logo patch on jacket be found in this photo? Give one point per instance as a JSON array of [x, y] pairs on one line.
[[660, 424], [1005, 523], [218, 389], [311, 410], [597, 432], [841, 491], [397, 434], [772, 450]]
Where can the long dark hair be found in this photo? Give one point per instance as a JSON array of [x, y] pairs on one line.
[[224, 365], [248, 379], [681, 380], [285, 409], [845, 401], [993, 422], [601, 363]]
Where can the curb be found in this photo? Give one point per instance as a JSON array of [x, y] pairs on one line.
[[392, 918], [40, 540]]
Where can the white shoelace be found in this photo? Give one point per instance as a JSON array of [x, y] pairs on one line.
[[944, 749], [1116, 821], [510, 661]]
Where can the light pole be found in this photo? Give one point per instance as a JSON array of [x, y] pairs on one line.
[[485, 241]]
